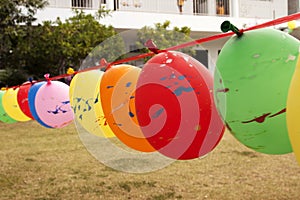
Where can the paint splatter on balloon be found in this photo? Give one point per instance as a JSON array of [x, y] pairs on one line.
[[86, 103], [52, 104], [251, 85], [117, 90], [175, 108]]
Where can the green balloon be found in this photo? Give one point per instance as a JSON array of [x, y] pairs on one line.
[[251, 85], [3, 116]]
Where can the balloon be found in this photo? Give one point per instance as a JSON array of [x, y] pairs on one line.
[[52, 104], [291, 25], [251, 80], [31, 100], [175, 108], [22, 97], [11, 106], [86, 103], [117, 96], [3, 115], [293, 111]]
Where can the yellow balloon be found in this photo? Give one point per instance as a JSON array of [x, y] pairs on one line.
[[292, 25], [86, 103], [11, 106], [293, 111]]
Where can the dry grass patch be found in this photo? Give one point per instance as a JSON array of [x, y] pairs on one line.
[[39, 163]]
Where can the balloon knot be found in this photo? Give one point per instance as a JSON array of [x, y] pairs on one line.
[[30, 79], [70, 71], [15, 87], [47, 77], [227, 26], [103, 63], [152, 46]]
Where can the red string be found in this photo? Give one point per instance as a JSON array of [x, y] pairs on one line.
[[180, 46], [275, 22]]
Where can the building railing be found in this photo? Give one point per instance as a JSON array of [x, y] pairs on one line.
[[236, 8], [202, 7], [82, 4]]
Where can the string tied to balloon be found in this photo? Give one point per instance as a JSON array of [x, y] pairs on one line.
[[152, 46], [15, 87], [47, 77], [104, 64], [227, 26], [274, 22], [30, 79]]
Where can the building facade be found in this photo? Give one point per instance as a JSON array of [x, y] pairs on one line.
[[204, 17]]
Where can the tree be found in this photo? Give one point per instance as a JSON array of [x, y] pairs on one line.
[[14, 16], [51, 47], [164, 38], [67, 43], [16, 12]]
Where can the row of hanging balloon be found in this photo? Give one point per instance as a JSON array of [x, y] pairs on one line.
[[173, 105]]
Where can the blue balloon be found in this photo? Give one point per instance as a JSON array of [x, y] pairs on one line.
[[31, 99]]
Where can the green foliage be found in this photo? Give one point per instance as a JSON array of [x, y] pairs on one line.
[[53, 46], [80, 36], [11, 77], [66, 43], [15, 20], [164, 37], [13, 12]]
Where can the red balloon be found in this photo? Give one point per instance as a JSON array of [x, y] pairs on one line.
[[22, 98], [175, 107]]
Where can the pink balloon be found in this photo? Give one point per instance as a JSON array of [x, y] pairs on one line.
[[53, 105]]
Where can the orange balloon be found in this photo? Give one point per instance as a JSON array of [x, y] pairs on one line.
[[117, 89]]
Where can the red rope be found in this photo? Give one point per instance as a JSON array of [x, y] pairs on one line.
[[180, 46], [275, 22]]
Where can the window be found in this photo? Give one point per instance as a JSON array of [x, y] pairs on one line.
[[116, 4], [202, 56], [82, 3], [293, 6], [222, 7], [200, 7]]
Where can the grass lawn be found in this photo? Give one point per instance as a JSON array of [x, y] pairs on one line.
[[40, 163]]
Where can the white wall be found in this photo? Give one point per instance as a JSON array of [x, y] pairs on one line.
[[265, 9], [60, 3], [261, 9], [201, 26], [156, 6]]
